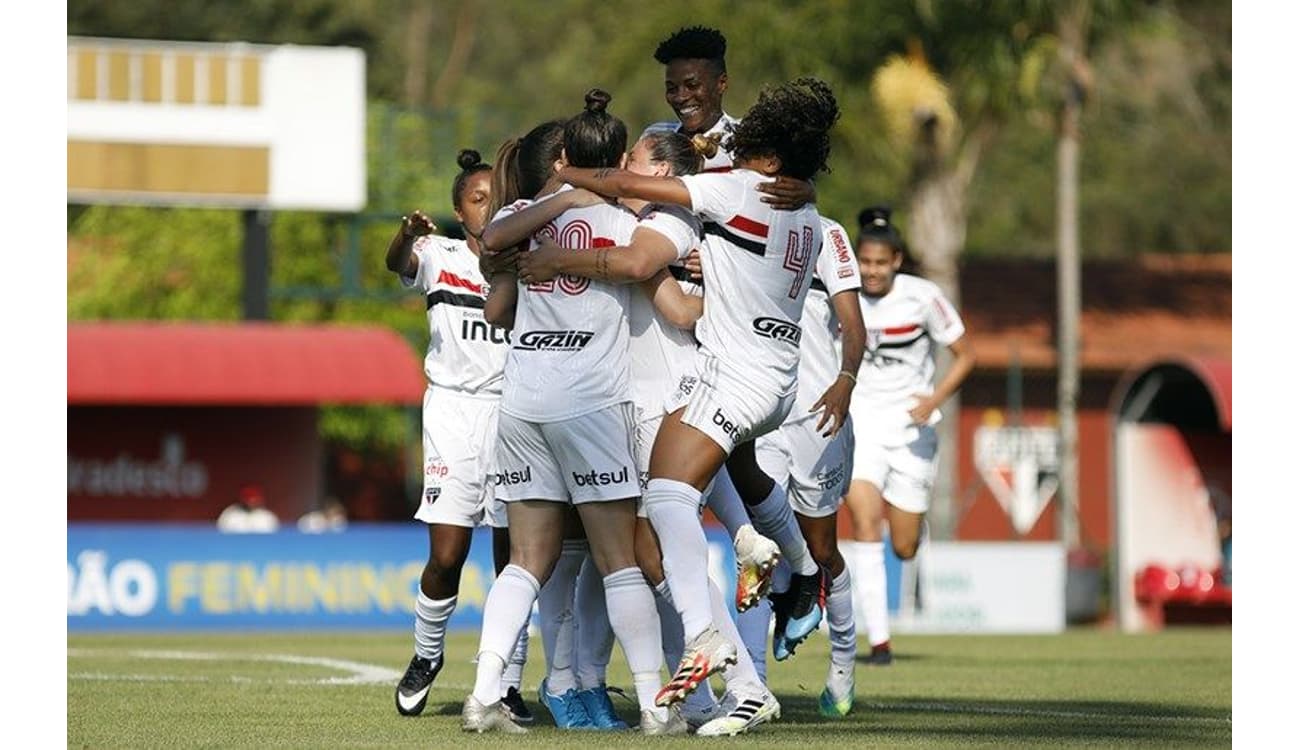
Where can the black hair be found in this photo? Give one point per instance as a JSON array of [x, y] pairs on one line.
[[695, 43], [791, 121], [524, 164], [470, 163], [593, 137], [680, 153], [875, 225]]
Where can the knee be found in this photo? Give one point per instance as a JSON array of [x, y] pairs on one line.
[[905, 548], [824, 550]]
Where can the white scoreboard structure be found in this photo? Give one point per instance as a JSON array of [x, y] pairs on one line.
[[230, 125]]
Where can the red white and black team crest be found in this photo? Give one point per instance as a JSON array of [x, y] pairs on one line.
[[1021, 465]]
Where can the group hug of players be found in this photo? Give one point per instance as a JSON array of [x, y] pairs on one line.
[[629, 335]]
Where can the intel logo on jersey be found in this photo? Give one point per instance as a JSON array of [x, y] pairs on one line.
[[775, 328], [554, 341], [594, 478]]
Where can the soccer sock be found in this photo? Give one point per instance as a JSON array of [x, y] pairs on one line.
[[774, 519], [636, 624], [870, 592], [754, 625], [726, 504], [431, 617], [555, 617], [839, 616], [673, 508], [514, 675], [595, 636], [505, 612], [743, 676]]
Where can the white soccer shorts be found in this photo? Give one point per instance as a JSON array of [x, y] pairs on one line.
[[726, 407], [904, 474], [588, 458], [815, 470], [459, 437]]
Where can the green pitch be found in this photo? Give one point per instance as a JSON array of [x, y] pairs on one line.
[[260, 690]]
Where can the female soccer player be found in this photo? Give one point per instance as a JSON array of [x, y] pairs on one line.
[[566, 437], [757, 268], [895, 407], [464, 367]]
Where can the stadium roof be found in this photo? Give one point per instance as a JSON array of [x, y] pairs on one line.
[[250, 364]]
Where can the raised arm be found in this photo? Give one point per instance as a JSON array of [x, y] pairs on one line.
[[401, 258], [620, 183], [853, 340], [672, 302], [514, 228], [648, 252]]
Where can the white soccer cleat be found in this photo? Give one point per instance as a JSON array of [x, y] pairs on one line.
[[707, 653], [756, 558], [698, 716], [836, 699], [654, 726], [750, 711], [494, 717]]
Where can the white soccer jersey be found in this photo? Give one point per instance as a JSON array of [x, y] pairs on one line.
[[819, 359], [758, 264], [903, 329], [465, 354], [569, 350], [661, 353], [720, 161]]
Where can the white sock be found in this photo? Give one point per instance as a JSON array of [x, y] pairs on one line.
[[743, 676], [726, 504], [505, 612], [754, 624], [673, 508], [635, 622], [513, 677], [555, 617], [774, 519], [839, 617], [870, 593], [595, 637], [431, 617]]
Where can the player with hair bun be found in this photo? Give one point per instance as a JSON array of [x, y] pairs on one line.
[[464, 367]]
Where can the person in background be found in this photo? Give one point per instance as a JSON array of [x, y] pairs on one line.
[[248, 514]]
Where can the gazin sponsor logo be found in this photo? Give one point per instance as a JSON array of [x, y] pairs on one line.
[[780, 330], [554, 341]]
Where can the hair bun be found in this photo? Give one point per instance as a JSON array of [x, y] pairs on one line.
[[706, 145], [468, 158], [597, 100], [874, 217]]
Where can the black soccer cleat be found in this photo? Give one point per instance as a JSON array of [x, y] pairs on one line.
[[413, 690], [514, 703], [881, 655]]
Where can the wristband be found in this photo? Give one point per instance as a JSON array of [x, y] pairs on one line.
[[850, 376]]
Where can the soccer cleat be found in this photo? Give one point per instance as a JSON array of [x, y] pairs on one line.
[[514, 703], [805, 607], [600, 708], [748, 713], [476, 717], [413, 689], [653, 726], [567, 711], [837, 698], [756, 558], [881, 655], [707, 653], [697, 717]]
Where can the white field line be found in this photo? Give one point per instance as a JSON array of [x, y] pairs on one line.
[[358, 673]]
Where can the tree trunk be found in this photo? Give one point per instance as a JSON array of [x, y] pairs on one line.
[[419, 29]]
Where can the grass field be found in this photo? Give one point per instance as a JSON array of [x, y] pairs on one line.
[[282, 690]]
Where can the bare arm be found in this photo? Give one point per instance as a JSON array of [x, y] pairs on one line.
[[853, 339], [620, 183], [677, 307], [401, 258], [499, 310], [511, 230], [788, 193], [962, 364], [648, 252]]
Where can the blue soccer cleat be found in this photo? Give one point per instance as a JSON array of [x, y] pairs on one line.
[[567, 710], [601, 709]]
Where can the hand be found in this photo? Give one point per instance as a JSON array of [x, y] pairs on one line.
[[786, 193], [693, 266], [835, 402], [417, 225], [503, 261], [581, 198], [925, 406], [540, 264]]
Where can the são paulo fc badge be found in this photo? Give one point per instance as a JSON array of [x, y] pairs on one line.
[[431, 494], [1021, 466]]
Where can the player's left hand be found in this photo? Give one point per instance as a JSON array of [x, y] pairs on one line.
[[786, 193], [540, 264], [835, 405], [925, 406]]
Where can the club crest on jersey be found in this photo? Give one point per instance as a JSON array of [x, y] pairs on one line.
[[431, 494], [781, 330], [554, 341], [873, 338]]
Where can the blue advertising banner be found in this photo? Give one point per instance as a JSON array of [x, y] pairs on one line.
[[168, 577]]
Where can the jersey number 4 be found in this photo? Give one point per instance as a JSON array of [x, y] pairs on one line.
[[798, 258]]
